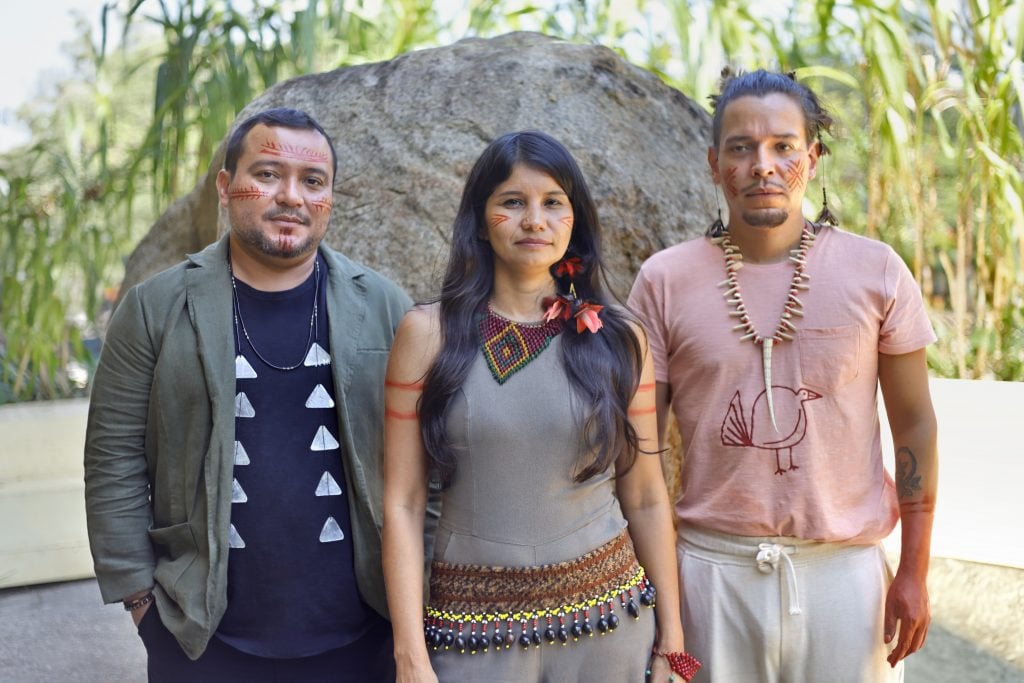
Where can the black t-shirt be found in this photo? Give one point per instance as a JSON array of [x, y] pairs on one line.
[[291, 580]]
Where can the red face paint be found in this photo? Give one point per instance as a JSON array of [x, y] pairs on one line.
[[794, 174], [567, 220], [730, 181], [322, 206], [244, 193], [277, 149], [497, 219], [285, 240]]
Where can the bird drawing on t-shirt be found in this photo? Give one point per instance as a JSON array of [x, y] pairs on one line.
[[758, 432]]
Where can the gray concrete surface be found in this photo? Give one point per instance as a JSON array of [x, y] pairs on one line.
[[61, 632]]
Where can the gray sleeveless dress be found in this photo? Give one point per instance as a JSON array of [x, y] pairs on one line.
[[513, 502]]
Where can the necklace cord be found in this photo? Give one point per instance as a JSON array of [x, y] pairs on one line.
[[786, 327], [314, 325]]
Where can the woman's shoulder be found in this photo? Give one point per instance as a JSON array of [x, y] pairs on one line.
[[424, 315], [418, 338]]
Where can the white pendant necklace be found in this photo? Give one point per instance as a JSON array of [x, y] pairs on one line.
[[794, 306], [314, 331]]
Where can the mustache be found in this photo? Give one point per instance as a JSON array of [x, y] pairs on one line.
[[271, 215], [764, 185]]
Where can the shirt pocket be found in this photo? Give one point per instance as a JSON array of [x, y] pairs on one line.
[[829, 356]]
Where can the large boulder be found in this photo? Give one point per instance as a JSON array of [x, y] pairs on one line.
[[407, 132]]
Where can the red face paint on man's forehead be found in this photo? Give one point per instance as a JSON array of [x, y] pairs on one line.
[[296, 152]]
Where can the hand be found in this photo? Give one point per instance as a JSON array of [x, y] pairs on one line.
[[907, 603], [416, 673], [137, 614], [660, 670]]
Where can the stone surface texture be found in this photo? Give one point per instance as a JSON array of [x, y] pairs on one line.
[[407, 132]]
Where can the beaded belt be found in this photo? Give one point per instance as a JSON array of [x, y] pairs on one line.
[[474, 607]]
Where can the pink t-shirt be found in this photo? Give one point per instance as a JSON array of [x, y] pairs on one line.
[[833, 487]]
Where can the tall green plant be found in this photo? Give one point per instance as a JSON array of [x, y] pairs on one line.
[[930, 160], [944, 169], [216, 58], [930, 104]]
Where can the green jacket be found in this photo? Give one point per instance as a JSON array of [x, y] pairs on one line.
[[159, 448]]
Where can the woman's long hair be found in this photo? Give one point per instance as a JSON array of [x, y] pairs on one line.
[[603, 368]]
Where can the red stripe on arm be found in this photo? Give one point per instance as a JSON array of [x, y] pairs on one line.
[[643, 411], [388, 412], [411, 386]]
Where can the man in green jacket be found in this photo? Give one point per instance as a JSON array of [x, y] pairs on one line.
[[233, 456]]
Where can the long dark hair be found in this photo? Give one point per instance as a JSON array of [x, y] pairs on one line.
[[603, 368]]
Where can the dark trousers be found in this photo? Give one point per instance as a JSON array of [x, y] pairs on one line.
[[367, 660]]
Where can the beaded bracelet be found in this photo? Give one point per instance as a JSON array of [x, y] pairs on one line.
[[137, 603], [682, 663]]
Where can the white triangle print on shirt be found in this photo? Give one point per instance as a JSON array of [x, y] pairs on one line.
[[234, 540], [241, 457], [331, 532], [317, 356], [242, 406], [328, 486], [242, 368], [319, 398], [323, 441], [237, 494]]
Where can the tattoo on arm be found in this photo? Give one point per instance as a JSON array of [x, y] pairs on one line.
[[908, 481]]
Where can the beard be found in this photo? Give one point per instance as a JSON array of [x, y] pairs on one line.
[[283, 246], [766, 218]]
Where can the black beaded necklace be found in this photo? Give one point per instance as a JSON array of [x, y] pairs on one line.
[[314, 326]]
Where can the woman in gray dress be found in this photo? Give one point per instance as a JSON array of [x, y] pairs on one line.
[[530, 401]]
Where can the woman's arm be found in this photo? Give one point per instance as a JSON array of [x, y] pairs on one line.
[[405, 489], [644, 500]]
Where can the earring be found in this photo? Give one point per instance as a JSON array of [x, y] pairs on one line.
[[826, 217], [717, 228]]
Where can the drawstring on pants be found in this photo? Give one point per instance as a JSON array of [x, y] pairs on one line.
[[768, 555]]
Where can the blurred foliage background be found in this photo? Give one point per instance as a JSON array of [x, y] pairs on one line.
[[929, 157]]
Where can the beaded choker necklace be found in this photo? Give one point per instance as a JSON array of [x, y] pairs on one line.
[[509, 346], [794, 307], [314, 329]]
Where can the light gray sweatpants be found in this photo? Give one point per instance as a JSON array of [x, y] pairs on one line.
[[784, 610]]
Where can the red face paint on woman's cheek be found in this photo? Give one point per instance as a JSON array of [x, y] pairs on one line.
[[497, 219], [567, 220]]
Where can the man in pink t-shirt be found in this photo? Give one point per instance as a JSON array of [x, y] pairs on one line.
[[770, 337]]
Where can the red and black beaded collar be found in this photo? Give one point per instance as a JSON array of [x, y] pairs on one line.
[[509, 346]]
